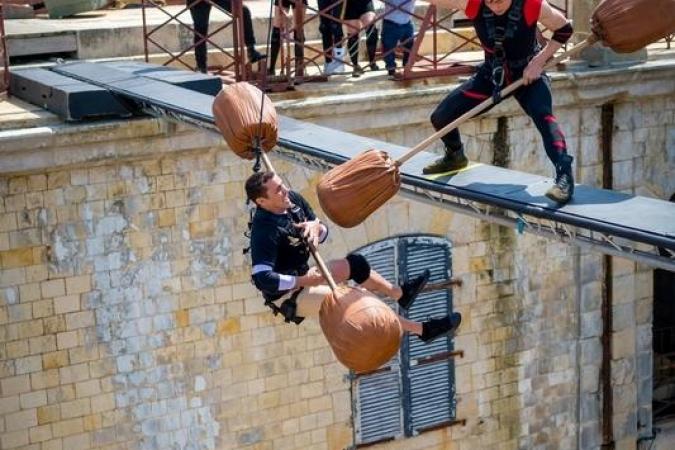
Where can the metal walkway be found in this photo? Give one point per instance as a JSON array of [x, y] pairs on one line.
[[638, 228]]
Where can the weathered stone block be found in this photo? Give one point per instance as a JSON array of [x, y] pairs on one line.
[[14, 439], [15, 385]]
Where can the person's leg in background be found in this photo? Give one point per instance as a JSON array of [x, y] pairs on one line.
[[275, 39], [390, 37], [407, 39], [249, 37], [299, 37], [367, 20], [200, 20]]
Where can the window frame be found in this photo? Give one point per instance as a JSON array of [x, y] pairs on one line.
[[403, 365]]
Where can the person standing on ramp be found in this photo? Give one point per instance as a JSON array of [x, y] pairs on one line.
[[507, 30]]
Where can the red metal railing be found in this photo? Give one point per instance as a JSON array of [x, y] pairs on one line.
[[231, 64], [423, 61]]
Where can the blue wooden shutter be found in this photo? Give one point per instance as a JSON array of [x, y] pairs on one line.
[[378, 396], [404, 398], [429, 388]]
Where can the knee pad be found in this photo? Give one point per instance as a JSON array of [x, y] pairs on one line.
[[359, 269]]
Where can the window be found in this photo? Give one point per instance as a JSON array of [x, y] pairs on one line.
[[409, 395], [663, 397]]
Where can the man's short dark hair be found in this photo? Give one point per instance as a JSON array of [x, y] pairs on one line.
[[255, 185]]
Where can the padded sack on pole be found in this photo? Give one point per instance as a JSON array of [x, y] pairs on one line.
[[236, 111], [363, 331], [349, 193], [629, 25]]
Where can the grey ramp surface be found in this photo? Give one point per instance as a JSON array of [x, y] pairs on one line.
[[71, 99], [639, 218], [599, 206], [190, 103]]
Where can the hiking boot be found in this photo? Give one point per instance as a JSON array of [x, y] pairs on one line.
[[357, 71], [449, 162], [435, 328], [412, 288], [563, 189], [254, 55]]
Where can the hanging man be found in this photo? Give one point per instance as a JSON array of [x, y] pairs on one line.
[[283, 226], [507, 30]]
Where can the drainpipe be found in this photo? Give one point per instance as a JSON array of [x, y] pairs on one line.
[[607, 121]]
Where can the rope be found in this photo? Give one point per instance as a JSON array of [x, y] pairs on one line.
[[258, 149]]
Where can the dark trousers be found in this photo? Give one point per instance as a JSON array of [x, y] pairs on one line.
[[331, 29], [200, 18], [392, 34], [535, 99]]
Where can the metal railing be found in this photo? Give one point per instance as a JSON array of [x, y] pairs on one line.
[[432, 51], [232, 63]]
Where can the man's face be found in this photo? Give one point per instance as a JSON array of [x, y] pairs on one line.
[[498, 7], [276, 200]]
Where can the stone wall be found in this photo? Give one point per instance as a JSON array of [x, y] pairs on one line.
[[127, 319]]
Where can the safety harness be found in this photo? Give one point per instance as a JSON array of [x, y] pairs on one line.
[[499, 34], [288, 308]]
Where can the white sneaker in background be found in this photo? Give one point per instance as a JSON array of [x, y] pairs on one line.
[[339, 60], [333, 67]]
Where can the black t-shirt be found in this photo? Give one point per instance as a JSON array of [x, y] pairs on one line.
[[277, 247]]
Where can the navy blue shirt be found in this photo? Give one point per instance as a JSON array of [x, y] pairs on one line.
[[278, 253]]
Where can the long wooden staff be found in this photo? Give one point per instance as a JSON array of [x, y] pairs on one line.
[[590, 40]]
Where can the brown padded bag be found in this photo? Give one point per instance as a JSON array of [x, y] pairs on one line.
[[236, 110], [629, 25], [362, 330], [350, 192]]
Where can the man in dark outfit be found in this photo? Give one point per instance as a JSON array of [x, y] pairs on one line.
[[282, 226], [200, 12], [507, 32]]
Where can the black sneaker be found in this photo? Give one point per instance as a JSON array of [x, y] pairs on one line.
[[254, 55], [391, 74], [448, 163], [435, 328], [373, 66], [357, 72], [412, 288], [563, 189]]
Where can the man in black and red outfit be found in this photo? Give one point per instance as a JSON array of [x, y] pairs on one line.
[[507, 30]]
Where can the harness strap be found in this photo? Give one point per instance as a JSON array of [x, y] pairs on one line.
[[499, 34], [288, 308]]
